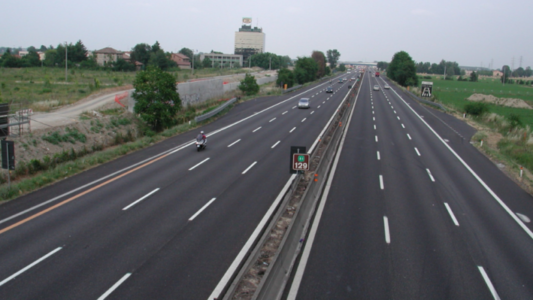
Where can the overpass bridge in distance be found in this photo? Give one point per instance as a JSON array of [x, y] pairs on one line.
[[358, 63]]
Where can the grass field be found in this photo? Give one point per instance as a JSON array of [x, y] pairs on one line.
[[453, 93], [43, 89]]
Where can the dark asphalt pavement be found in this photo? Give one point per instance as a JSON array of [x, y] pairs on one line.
[[164, 222], [406, 219]]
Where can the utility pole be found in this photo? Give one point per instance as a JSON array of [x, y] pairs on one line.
[[270, 64], [66, 63], [444, 72]]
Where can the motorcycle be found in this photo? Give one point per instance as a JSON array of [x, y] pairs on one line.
[[200, 144]]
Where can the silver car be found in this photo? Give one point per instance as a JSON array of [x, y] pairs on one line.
[[376, 88], [303, 103], [386, 87]]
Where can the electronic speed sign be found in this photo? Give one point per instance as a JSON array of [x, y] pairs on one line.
[[300, 162]]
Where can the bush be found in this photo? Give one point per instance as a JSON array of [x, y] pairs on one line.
[[515, 121], [476, 109]]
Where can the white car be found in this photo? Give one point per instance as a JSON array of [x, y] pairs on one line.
[[303, 103], [386, 86], [376, 88]]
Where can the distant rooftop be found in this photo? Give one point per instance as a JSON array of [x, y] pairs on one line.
[[248, 28]]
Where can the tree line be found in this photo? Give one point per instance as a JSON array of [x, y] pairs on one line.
[[307, 69]]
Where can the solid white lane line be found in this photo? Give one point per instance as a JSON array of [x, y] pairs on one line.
[[250, 242], [381, 184], [314, 226], [115, 286], [451, 214], [285, 112], [247, 169], [487, 188], [408, 136], [234, 143], [203, 161], [312, 112], [29, 266], [379, 157], [257, 129], [376, 138], [374, 126], [202, 209], [275, 144], [430, 176], [417, 151], [141, 199], [292, 130], [387, 232], [304, 119], [271, 120], [403, 125], [489, 283]]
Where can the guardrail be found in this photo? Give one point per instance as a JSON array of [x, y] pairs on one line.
[[214, 111], [278, 272], [292, 89]]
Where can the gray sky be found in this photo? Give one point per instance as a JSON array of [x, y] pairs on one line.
[[469, 32]]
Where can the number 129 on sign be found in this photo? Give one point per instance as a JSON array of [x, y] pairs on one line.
[[300, 162]]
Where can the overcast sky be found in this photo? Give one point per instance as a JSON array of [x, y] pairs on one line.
[[469, 32]]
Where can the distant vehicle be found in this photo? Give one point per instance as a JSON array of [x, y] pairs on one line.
[[376, 88], [344, 79], [303, 103], [377, 74], [329, 89], [386, 86], [340, 80], [352, 79]]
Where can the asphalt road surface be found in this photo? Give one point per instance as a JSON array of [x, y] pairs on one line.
[[165, 222], [415, 212]]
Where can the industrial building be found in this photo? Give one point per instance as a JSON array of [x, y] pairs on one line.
[[249, 40]]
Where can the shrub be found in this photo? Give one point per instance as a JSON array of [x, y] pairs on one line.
[[515, 121], [476, 109]]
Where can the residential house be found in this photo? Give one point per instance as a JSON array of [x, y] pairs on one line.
[[183, 61], [497, 73], [107, 55]]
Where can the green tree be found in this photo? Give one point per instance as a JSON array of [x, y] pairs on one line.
[[328, 71], [122, 65], [157, 98], [141, 53], [333, 57], [528, 72], [382, 65], [187, 52], [160, 60], [266, 60], [285, 76], [10, 61], [402, 69], [305, 70], [506, 73], [473, 76], [50, 58], [207, 63], [248, 85], [156, 47], [320, 60], [31, 59], [342, 68]]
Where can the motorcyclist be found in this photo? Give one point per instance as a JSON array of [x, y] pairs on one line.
[[202, 137]]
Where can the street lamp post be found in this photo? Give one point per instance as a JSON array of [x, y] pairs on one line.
[[66, 63]]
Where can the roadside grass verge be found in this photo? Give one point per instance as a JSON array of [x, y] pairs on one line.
[[39, 173]]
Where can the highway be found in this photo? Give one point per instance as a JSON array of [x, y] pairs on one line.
[[414, 211], [166, 222]]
